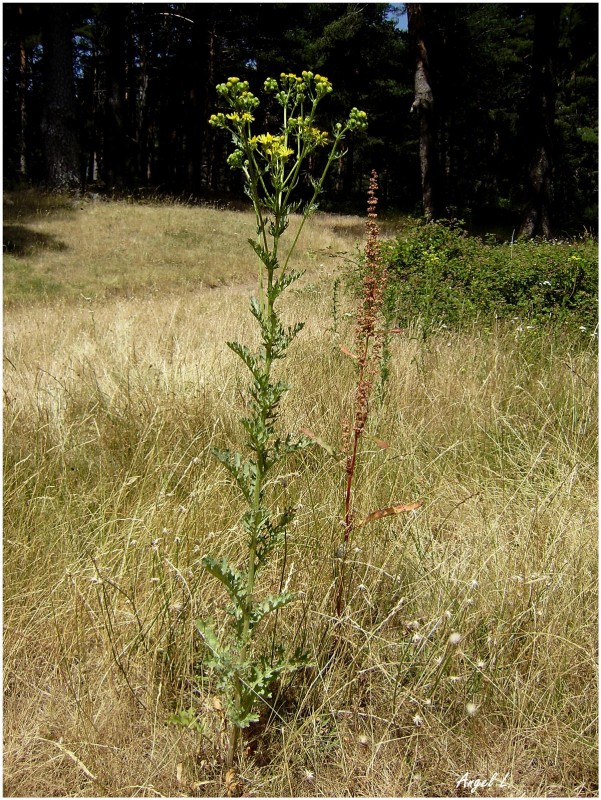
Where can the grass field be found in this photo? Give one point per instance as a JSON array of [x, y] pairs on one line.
[[117, 382]]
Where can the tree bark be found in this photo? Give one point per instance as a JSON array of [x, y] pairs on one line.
[[22, 95], [199, 82], [116, 133], [59, 124], [536, 216], [423, 105]]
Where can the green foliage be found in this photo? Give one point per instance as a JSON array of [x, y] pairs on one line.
[[187, 719], [242, 679], [444, 276], [480, 62]]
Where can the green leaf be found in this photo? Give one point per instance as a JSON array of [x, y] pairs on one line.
[[187, 719], [269, 604], [263, 672], [234, 581], [244, 716], [269, 535], [283, 282], [275, 230], [209, 636], [291, 444], [251, 361], [270, 261], [244, 472]]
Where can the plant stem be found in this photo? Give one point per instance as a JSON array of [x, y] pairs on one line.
[[369, 355], [232, 745], [318, 188]]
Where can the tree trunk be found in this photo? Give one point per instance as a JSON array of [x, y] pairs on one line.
[[423, 105], [116, 133], [22, 95], [59, 124], [208, 174], [142, 125], [197, 86], [536, 216]]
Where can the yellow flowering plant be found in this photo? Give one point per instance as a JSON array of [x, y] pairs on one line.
[[271, 164]]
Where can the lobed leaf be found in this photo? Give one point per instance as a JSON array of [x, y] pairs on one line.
[[269, 535], [244, 472], [251, 361], [283, 282], [269, 604], [210, 638], [187, 719], [270, 260], [234, 581]]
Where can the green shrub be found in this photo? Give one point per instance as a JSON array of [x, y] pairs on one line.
[[443, 276]]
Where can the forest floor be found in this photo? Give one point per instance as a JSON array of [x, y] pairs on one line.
[[117, 383]]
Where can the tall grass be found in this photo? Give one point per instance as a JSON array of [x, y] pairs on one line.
[[112, 498]]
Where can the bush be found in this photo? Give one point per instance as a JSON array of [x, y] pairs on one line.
[[443, 276]]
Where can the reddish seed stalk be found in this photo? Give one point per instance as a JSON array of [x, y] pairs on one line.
[[368, 342]]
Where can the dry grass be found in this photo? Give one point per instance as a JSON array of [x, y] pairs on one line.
[[112, 498], [64, 248]]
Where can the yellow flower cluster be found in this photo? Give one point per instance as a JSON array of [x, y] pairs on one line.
[[272, 147], [290, 80], [290, 77], [245, 116], [238, 94], [323, 84], [357, 120], [311, 134], [290, 91]]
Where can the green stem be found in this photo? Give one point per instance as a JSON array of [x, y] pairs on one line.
[[261, 460], [232, 744], [318, 187]]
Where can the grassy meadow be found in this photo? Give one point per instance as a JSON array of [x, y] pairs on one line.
[[117, 383]]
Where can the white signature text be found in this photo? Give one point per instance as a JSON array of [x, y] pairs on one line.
[[474, 784]]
